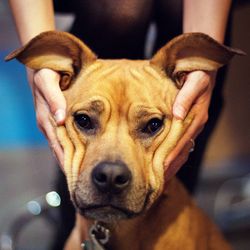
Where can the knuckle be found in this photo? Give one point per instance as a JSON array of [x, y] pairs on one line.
[[206, 80], [204, 119], [41, 128], [39, 120], [52, 106], [205, 77], [183, 104], [203, 83], [38, 76], [184, 160], [183, 99], [53, 145]]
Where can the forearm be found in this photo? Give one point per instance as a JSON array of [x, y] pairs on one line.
[[32, 17], [207, 16]]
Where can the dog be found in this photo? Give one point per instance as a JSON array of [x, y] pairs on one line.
[[118, 131]]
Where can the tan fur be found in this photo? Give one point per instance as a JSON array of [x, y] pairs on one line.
[[122, 95]]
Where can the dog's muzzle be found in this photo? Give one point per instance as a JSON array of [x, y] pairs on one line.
[[110, 192]]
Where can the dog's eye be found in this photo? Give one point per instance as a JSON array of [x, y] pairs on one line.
[[153, 126], [84, 121]]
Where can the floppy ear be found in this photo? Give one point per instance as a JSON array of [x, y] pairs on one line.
[[190, 52], [59, 51]]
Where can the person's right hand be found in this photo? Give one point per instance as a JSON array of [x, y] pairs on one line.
[[49, 103]]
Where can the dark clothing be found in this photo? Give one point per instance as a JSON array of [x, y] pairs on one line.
[[118, 28]]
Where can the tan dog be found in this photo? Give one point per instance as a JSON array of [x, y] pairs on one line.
[[118, 131]]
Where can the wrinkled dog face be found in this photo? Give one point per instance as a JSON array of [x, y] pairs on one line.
[[121, 113], [119, 126]]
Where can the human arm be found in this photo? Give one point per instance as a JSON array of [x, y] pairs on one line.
[[31, 18], [209, 17]]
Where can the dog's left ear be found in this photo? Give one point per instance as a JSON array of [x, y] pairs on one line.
[[56, 50], [190, 52]]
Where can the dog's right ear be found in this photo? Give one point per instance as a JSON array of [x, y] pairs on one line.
[[56, 50], [189, 52]]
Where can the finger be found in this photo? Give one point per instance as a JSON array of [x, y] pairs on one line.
[[196, 83], [177, 150], [191, 133], [55, 145], [42, 109], [49, 132], [179, 161], [200, 109], [47, 82], [45, 124]]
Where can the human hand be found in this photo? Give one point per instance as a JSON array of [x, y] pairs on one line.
[[196, 95], [50, 106]]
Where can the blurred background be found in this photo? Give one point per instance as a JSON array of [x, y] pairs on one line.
[[28, 168]]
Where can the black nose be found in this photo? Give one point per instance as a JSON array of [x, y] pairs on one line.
[[111, 177]]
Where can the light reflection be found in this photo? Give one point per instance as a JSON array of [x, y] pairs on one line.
[[34, 207], [53, 199]]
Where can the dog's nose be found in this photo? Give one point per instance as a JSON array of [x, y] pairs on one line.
[[111, 177]]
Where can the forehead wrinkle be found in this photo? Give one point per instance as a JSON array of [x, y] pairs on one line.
[[141, 85], [136, 75], [108, 71], [152, 73], [145, 75], [93, 68], [101, 73]]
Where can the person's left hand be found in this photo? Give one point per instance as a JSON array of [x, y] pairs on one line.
[[196, 95]]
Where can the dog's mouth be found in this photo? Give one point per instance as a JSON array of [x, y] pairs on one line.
[[108, 212]]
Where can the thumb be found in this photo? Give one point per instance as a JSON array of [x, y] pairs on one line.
[[47, 82], [195, 84]]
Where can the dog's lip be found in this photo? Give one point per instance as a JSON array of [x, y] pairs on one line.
[[125, 211], [129, 213]]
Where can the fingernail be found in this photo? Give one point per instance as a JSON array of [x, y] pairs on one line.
[[59, 115], [179, 112]]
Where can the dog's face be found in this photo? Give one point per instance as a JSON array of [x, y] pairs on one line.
[[121, 112], [119, 125]]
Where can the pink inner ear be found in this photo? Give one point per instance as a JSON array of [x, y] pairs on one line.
[[65, 80], [179, 78]]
